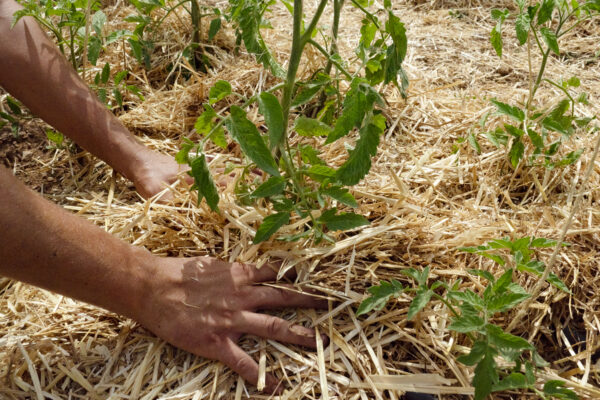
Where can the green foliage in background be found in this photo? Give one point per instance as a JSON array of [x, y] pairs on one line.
[[473, 315]]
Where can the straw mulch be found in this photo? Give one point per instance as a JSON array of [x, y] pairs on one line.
[[424, 200]]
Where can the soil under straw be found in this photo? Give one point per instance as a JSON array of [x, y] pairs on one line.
[[424, 202]]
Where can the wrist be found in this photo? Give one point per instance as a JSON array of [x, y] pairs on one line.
[[145, 268]]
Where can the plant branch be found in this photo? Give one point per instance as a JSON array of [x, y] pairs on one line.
[[323, 51], [539, 77], [542, 280], [367, 13], [313, 23]]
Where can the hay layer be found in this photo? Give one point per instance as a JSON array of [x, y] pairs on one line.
[[423, 199]]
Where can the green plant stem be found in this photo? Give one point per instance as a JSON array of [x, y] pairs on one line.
[[539, 78], [453, 311], [337, 11], [367, 13], [565, 91], [298, 44], [313, 23], [323, 51], [59, 37]]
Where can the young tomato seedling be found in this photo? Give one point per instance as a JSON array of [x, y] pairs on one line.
[[532, 131], [473, 315], [297, 182]]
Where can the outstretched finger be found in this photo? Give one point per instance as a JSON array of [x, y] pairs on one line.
[[271, 327], [282, 296], [239, 361], [248, 273]]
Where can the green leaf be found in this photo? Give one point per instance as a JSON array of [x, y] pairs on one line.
[[539, 361], [496, 40], [321, 172], [246, 134], [497, 137], [343, 221], [545, 12], [484, 274], [310, 155], [219, 91], [522, 26], [472, 139], [358, 164], [494, 257], [367, 32], [55, 137], [501, 244], [282, 204], [536, 139], [513, 112], [500, 15], [486, 375], [340, 194], [94, 48], [477, 352], [509, 346], [469, 297], [203, 183], [501, 285], [380, 295], [467, 323], [516, 152], [215, 26], [420, 300], [306, 94], [14, 105], [105, 73], [311, 127], [182, 155], [270, 225], [249, 16], [274, 185], [205, 124], [118, 97], [542, 242], [98, 21], [513, 381], [397, 31], [506, 301], [550, 39], [120, 76], [558, 390], [354, 110], [514, 131], [574, 81], [269, 107]]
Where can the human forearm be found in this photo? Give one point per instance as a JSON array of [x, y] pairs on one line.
[[51, 248], [199, 304], [34, 71]]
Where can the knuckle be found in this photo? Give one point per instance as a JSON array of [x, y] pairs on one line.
[[242, 365], [247, 271], [273, 327], [213, 339]]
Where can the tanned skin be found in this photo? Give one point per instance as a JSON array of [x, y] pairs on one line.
[[200, 304]]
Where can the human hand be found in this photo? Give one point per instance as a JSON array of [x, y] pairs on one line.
[[203, 305], [153, 171]]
